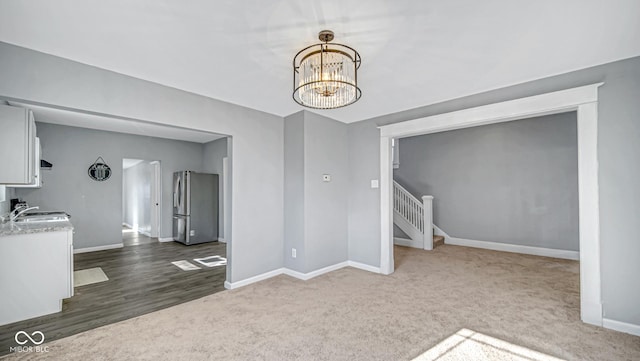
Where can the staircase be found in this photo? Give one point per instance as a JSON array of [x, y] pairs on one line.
[[415, 218]]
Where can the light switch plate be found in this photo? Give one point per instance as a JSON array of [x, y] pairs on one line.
[[326, 177], [375, 183]]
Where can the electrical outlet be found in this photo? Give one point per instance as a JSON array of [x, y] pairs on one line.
[[293, 253], [192, 233]]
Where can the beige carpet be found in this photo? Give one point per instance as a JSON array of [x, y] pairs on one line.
[[453, 303]]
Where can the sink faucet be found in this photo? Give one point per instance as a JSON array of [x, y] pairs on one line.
[[20, 211]]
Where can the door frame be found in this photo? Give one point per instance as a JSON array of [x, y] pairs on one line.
[[156, 199], [226, 202], [583, 100]]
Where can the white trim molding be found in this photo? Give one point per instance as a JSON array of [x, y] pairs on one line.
[[534, 106], [364, 267], [583, 100], [316, 273], [300, 275], [98, 248], [261, 277], [167, 239], [621, 326], [514, 248], [386, 201]]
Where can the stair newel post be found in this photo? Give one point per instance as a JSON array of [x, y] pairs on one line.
[[427, 205]]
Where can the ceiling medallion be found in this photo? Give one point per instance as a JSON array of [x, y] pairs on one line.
[[325, 76]]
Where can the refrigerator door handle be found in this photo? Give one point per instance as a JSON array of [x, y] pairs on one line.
[[176, 193]]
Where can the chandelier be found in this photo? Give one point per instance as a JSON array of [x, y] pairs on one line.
[[325, 76]]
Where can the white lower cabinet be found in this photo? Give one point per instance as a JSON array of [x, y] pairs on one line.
[[36, 274]]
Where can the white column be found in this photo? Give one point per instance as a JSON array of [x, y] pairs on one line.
[[427, 206], [386, 207], [589, 210]]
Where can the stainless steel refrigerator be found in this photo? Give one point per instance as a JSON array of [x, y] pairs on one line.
[[195, 207]]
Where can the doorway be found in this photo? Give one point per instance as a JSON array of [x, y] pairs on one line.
[[584, 100], [141, 199]]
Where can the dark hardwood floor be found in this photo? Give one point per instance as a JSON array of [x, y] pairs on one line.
[[133, 238], [141, 280]]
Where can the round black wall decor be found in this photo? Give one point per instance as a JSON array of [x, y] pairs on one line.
[[99, 171]]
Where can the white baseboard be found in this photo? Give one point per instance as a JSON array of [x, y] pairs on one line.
[[316, 273], [506, 247], [127, 225], [621, 326], [148, 234], [364, 267], [233, 285], [168, 239], [222, 240], [98, 248], [300, 275]]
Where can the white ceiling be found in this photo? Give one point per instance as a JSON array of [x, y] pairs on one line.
[[102, 122], [414, 52]]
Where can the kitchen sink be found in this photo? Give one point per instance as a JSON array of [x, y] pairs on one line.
[[34, 217]]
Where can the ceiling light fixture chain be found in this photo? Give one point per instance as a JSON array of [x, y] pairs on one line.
[[325, 75]]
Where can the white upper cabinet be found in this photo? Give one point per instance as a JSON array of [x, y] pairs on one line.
[[37, 180], [19, 153]]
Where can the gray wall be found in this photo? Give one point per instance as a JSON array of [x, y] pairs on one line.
[[294, 209], [397, 232], [257, 145], [315, 211], [513, 182], [136, 196], [213, 154], [619, 174], [325, 203], [96, 207]]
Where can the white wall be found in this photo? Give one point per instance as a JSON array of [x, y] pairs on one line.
[[257, 144]]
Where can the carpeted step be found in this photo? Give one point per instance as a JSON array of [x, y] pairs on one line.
[[438, 241]]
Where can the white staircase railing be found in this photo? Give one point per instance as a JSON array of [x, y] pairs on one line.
[[408, 206], [417, 214]]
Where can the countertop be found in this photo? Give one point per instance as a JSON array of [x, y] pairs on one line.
[[10, 229]]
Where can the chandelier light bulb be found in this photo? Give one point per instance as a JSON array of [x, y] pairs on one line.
[[325, 75]]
